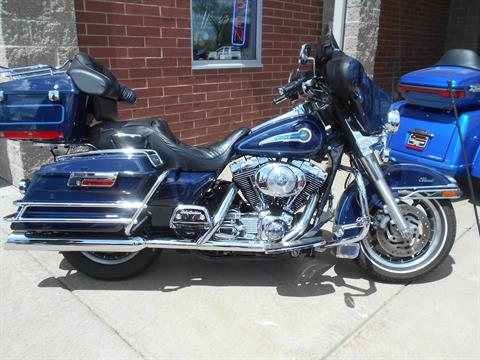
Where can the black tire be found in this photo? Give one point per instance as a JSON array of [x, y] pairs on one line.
[[132, 266], [384, 274]]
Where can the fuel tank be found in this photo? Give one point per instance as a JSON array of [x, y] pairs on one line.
[[294, 135]]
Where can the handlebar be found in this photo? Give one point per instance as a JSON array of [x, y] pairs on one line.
[[126, 94], [290, 91]]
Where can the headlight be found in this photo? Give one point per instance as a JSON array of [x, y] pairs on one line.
[[393, 121]]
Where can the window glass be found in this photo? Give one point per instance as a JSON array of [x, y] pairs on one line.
[[224, 30]]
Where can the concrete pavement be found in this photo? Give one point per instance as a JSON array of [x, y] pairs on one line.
[[186, 307]]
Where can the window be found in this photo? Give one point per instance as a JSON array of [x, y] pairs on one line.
[[226, 33]]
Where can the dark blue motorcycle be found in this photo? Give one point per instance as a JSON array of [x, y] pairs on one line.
[[127, 190]]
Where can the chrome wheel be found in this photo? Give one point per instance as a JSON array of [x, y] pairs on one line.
[[110, 258], [389, 251]]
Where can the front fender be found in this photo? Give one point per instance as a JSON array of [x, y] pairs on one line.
[[403, 178]]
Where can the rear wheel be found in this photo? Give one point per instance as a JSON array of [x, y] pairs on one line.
[[111, 265], [387, 256]]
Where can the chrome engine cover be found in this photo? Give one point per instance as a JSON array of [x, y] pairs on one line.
[[275, 191], [261, 226], [279, 179]]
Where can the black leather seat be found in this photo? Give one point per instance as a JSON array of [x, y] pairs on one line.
[[460, 57], [156, 135]]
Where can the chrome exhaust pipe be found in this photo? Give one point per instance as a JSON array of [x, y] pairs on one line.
[[21, 241]]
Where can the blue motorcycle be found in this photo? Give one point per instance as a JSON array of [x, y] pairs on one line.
[[428, 133], [127, 190]]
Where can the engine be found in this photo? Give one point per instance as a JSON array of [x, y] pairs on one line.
[[275, 191]]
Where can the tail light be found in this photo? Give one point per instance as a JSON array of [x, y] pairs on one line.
[[430, 90], [31, 135]]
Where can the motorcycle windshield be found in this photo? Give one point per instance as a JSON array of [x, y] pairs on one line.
[[375, 104]]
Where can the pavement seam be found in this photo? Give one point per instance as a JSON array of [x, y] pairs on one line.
[[355, 331], [362, 324], [95, 314]]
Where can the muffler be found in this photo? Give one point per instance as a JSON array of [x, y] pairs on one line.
[[21, 241]]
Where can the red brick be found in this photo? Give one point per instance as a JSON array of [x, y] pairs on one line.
[[143, 9], [105, 6]]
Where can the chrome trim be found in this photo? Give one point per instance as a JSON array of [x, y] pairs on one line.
[[33, 70], [407, 194], [76, 178], [72, 220], [207, 223], [220, 214], [152, 155], [24, 205], [138, 212], [121, 205]]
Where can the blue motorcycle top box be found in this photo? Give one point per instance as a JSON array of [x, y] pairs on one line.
[[46, 108], [428, 87], [427, 132]]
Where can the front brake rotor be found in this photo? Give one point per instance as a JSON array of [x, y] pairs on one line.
[[392, 242]]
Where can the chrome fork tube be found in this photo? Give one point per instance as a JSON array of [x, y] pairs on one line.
[[375, 173]]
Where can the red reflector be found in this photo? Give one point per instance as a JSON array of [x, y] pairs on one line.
[[98, 182], [437, 91], [26, 135]]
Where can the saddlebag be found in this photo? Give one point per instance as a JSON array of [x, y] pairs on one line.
[[47, 108], [98, 191]]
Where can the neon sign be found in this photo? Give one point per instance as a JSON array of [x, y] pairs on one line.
[[239, 22]]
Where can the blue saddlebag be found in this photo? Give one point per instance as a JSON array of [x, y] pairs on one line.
[[45, 108], [89, 192], [428, 87]]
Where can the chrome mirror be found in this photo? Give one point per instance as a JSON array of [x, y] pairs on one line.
[[304, 54]]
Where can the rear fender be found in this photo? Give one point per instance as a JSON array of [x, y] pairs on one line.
[[407, 181]]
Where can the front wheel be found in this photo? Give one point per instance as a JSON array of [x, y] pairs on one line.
[[388, 257], [111, 265]]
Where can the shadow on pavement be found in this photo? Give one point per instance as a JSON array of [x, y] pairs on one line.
[[299, 277]]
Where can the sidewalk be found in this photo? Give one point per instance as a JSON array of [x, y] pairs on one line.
[[186, 307]]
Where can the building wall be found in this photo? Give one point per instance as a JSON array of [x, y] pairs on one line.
[[32, 32], [411, 36], [464, 25], [148, 46]]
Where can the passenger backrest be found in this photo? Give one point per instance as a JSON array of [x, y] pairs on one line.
[[92, 78]]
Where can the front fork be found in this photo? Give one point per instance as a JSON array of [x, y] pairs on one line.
[[374, 171], [362, 146]]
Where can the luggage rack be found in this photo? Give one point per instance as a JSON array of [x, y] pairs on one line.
[[33, 71]]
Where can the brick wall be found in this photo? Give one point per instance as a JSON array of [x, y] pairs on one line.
[[147, 45], [411, 36]]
